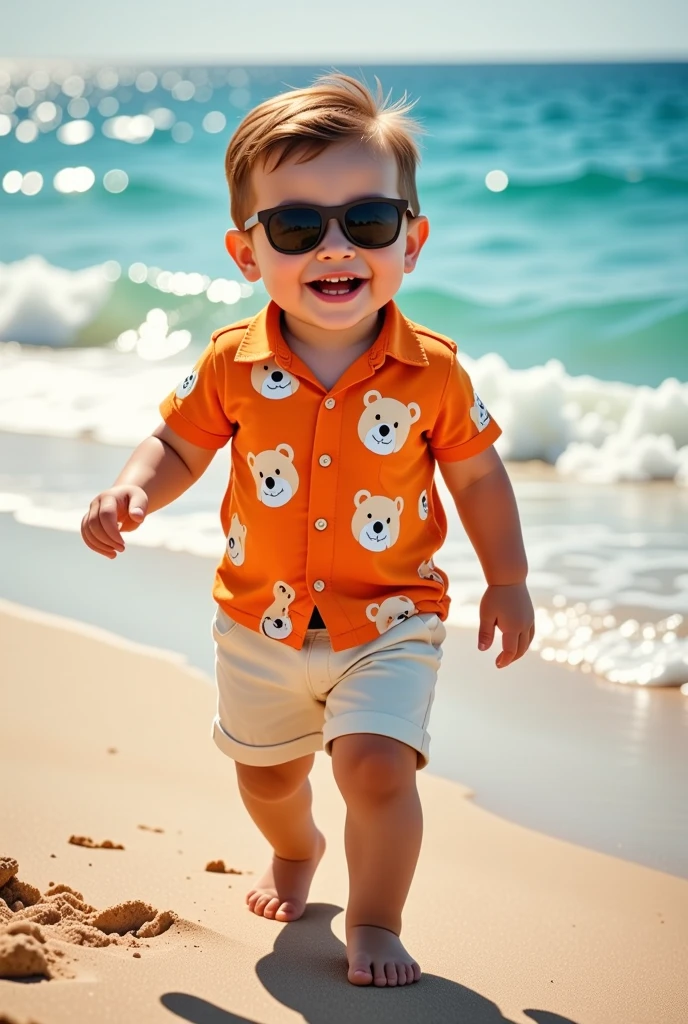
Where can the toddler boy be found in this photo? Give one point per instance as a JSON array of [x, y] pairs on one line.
[[329, 623]]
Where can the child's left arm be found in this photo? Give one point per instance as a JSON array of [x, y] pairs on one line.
[[485, 501]]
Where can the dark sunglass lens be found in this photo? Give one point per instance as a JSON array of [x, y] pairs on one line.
[[372, 224], [294, 230]]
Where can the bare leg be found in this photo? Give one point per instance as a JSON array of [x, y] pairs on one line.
[[279, 799], [384, 827]]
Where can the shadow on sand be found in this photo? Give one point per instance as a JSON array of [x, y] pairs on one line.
[[307, 973]]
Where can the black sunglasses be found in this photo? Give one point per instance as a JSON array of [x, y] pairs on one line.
[[367, 223]]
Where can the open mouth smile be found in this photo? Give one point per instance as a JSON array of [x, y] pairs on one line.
[[337, 288]]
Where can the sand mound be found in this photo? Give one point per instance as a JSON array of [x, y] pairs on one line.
[[107, 844], [31, 925], [219, 867]]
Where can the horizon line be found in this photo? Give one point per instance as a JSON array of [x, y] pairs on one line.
[[398, 61]]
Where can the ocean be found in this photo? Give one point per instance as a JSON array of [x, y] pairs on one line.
[[558, 261]]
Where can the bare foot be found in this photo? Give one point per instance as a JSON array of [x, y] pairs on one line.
[[376, 956], [283, 890]]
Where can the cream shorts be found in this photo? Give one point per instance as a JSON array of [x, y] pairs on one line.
[[275, 703]]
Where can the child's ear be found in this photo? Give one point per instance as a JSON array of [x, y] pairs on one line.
[[239, 247], [416, 236]]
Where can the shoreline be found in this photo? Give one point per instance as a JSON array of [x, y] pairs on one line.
[[119, 739], [614, 755]]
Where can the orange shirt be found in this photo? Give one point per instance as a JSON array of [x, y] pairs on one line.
[[331, 498]]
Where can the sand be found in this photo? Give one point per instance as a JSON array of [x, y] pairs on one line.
[[100, 736]]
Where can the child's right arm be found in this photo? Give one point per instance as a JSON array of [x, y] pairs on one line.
[[158, 471]]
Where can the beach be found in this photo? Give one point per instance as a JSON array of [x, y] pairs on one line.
[[553, 880], [108, 739]]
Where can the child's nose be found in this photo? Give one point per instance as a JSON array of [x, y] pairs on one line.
[[334, 243]]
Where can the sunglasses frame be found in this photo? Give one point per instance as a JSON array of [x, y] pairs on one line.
[[328, 213]]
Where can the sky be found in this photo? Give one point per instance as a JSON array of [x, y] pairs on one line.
[[315, 31]]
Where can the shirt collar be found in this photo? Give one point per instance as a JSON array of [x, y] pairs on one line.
[[263, 339]]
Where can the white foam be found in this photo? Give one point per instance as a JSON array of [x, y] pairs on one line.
[[591, 430], [39, 301]]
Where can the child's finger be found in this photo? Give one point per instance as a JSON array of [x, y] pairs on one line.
[[93, 544], [93, 530], [509, 649], [108, 518]]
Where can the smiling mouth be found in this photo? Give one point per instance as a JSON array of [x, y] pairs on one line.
[[277, 387], [275, 494], [338, 288], [376, 537], [381, 440]]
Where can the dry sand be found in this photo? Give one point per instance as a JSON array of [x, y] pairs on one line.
[[110, 742]]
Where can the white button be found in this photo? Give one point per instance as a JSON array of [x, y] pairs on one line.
[[319, 585], [330, 403], [324, 460], [321, 524]]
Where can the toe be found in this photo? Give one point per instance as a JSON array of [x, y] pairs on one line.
[[416, 971], [391, 974], [289, 911], [401, 974], [261, 904], [271, 907], [359, 971], [379, 975]]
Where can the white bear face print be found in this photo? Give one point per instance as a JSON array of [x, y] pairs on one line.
[[276, 622], [271, 381], [185, 387], [423, 505], [427, 571], [236, 541], [479, 413], [375, 523], [391, 612], [385, 423], [275, 475]]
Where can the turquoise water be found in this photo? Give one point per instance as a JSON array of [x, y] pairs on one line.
[[582, 258]]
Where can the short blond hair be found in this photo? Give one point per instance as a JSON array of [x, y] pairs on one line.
[[303, 122]]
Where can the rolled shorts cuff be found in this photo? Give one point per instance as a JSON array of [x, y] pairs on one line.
[[381, 725], [268, 755]]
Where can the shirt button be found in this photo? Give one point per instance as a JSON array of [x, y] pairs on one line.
[[324, 460], [321, 524], [330, 403], [319, 585]]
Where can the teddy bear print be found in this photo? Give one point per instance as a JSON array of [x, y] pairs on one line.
[[392, 611], [236, 541], [276, 622], [479, 413], [275, 475], [428, 571], [385, 423], [185, 388], [423, 505], [270, 381], [375, 523]]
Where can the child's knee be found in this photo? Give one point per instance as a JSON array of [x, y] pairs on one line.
[[373, 768], [274, 782]]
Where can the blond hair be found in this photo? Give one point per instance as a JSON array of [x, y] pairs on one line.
[[303, 122]]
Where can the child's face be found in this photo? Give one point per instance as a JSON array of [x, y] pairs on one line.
[[343, 172]]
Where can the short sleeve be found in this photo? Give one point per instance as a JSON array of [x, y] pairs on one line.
[[463, 427], [194, 409]]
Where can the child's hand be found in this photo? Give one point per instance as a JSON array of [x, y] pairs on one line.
[[118, 510], [510, 608]]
